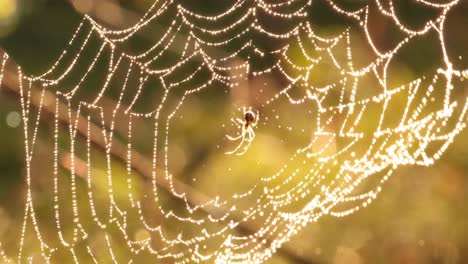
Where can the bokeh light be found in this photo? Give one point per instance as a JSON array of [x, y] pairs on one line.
[[8, 15]]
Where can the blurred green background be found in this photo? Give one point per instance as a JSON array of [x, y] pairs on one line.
[[420, 216]]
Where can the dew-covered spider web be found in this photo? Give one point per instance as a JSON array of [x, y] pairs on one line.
[[337, 115]]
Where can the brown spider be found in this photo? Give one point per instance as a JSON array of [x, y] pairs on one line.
[[247, 134]]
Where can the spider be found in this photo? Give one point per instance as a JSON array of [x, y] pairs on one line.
[[247, 134]]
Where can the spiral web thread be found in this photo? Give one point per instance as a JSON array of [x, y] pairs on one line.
[[322, 182]]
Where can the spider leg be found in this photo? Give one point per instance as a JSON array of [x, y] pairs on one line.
[[240, 121], [246, 147], [238, 146], [233, 138], [243, 151], [251, 133]]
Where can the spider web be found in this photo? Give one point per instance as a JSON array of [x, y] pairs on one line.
[[358, 121]]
